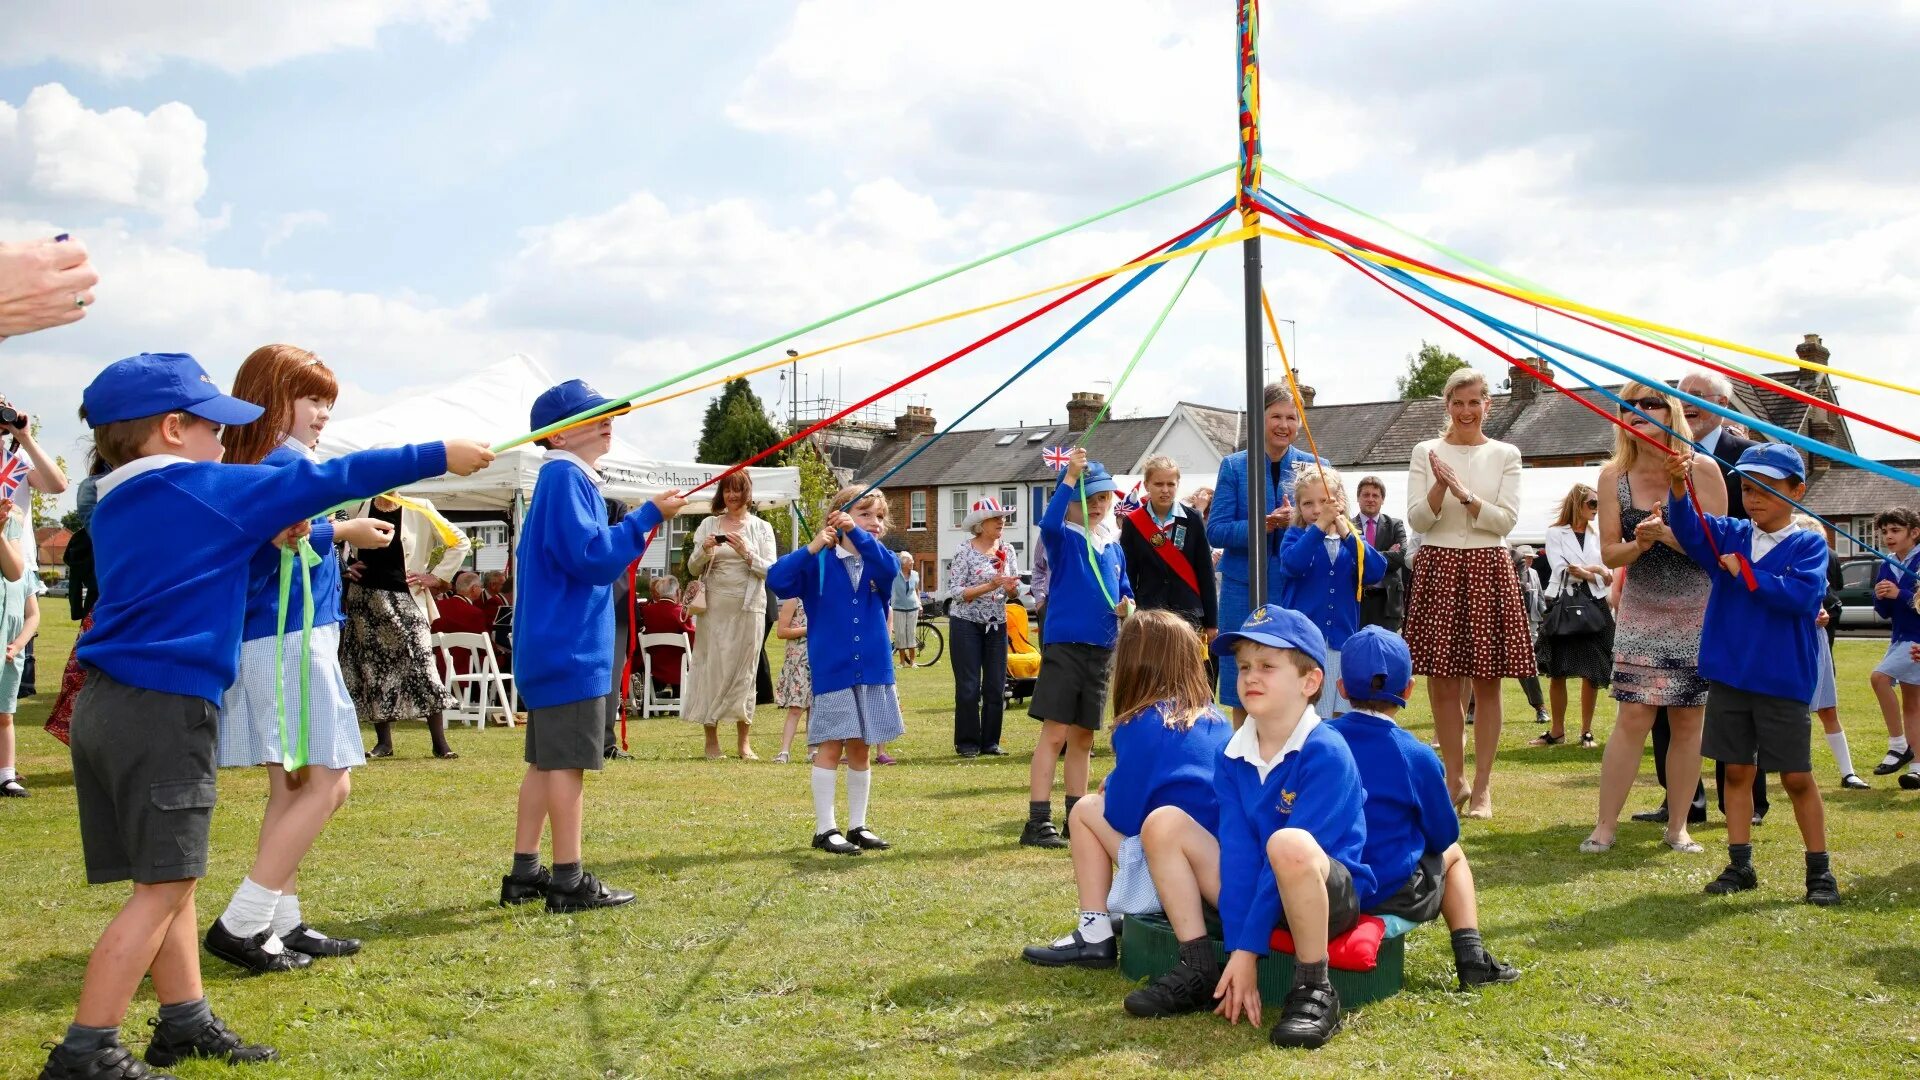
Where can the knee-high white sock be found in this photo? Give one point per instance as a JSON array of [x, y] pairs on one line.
[[1837, 742], [286, 915], [251, 909], [1896, 744], [859, 786], [823, 785]]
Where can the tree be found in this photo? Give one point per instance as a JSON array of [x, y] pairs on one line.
[[736, 426], [1427, 372], [817, 485], [70, 521]]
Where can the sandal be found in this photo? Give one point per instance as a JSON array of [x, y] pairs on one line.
[[1590, 846], [781, 758], [1547, 738], [1689, 846], [1586, 740]]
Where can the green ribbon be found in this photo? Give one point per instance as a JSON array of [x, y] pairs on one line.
[[293, 752]]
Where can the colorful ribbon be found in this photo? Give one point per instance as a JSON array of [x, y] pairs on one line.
[[294, 751], [1300, 406]]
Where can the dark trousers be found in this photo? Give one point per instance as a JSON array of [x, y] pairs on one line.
[[1663, 735], [979, 682], [1530, 686]]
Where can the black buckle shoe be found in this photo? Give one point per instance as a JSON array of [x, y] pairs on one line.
[[1485, 970], [587, 896], [250, 954], [866, 838], [209, 1040], [1893, 762], [834, 842], [1183, 989], [1309, 1018], [12, 788], [305, 939], [1734, 879], [1079, 952], [1910, 781], [1852, 782], [110, 1062], [1041, 834], [1822, 889], [524, 890]]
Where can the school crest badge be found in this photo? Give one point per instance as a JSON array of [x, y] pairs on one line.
[[1286, 801]]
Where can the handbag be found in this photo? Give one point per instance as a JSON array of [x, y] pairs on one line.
[[1576, 611]]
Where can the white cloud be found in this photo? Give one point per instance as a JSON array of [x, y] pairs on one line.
[[131, 37], [288, 224], [55, 153]]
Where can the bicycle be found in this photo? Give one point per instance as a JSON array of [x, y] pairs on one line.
[[929, 644]]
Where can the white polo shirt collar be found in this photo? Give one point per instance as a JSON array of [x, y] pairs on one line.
[[1245, 744]]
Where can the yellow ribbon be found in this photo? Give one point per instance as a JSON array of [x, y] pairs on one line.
[[1300, 406], [448, 533]]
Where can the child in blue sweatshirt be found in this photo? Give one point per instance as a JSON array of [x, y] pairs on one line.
[[1289, 849], [850, 650], [568, 558], [1086, 599], [1759, 651], [163, 650], [1167, 735], [1323, 566], [1893, 599], [1413, 833]]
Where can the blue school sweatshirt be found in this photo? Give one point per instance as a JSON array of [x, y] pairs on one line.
[[567, 560], [263, 574], [849, 638], [1323, 589], [1155, 765], [1763, 641], [1409, 814], [1077, 608], [1906, 621], [175, 626], [1315, 787]]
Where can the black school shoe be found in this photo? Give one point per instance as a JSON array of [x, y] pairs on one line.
[[1910, 781], [867, 839], [12, 788], [210, 1040], [1893, 762], [524, 890], [250, 954], [305, 939], [110, 1062], [1822, 889], [1041, 834], [1732, 880], [1485, 970], [1309, 1018], [1077, 953], [1696, 815], [834, 842], [589, 895], [1183, 989]]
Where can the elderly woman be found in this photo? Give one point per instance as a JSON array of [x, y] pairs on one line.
[[1227, 525], [1574, 565], [983, 577], [732, 550], [1465, 618]]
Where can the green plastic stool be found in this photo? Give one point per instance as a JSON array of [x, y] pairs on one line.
[[1148, 950]]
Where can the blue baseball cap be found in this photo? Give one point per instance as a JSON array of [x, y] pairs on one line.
[[570, 398], [155, 383], [1097, 479], [1776, 460], [1280, 628], [1376, 666]]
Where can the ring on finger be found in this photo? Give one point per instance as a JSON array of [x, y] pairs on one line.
[[79, 300]]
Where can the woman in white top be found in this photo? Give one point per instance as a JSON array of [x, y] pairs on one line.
[[1465, 617], [1573, 557], [731, 552]]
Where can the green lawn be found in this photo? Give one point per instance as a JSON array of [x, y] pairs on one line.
[[750, 956]]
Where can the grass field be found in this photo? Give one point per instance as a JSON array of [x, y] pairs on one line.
[[750, 956]]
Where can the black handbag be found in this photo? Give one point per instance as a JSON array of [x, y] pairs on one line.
[[1576, 611]]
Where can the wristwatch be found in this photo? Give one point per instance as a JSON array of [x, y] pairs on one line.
[[1470, 499]]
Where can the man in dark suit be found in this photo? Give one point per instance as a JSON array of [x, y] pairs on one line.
[[1385, 603], [1711, 431]]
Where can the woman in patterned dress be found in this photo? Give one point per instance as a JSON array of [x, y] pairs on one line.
[[1656, 642], [794, 691]]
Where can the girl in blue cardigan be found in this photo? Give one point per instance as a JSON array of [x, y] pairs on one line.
[[1323, 566], [844, 579], [1166, 736]]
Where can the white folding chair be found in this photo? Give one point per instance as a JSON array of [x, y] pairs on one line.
[[650, 703], [484, 688]]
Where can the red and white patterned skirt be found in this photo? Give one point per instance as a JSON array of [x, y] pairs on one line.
[[1465, 617]]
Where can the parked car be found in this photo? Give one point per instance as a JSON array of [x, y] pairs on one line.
[[1856, 594]]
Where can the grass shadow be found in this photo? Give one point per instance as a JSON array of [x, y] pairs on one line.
[[1658, 917], [1551, 855], [38, 781], [1895, 966]]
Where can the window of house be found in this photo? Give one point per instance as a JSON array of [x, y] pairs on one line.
[[960, 507], [917, 510], [1010, 498], [1007, 439], [1039, 436]]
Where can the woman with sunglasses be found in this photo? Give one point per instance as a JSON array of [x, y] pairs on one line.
[[1574, 562], [1656, 642]]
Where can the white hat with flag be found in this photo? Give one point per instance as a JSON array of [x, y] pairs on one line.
[[982, 510]]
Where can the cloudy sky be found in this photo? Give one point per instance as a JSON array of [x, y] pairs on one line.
[[413, 188]]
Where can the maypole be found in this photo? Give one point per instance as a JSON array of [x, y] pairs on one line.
[[1244, 200]]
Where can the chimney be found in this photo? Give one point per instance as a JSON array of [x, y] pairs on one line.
[[1524, 386], [1820, 422], [1082, 408], [1306, 392], [1811, 350], [916, 421]]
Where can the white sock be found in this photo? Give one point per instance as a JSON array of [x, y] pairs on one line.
[[1095, 927], [7, 773], [286, 915], [859, 786], [1897, 744], [823, 784], [251, 909], [1837, 742]]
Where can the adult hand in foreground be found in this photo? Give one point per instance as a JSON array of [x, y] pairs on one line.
[[43, 283]]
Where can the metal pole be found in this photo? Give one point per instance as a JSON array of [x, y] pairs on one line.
[[1249, 180]]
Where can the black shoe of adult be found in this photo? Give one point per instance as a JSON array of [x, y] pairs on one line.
[[380, 750], [1183, 989], [617, 754], [589, 895], [967, 751], [1893, 762], [209, 1040], [1656, 816], [250, 954], [306, 939], [834, 842], [994, 751], [1041, 834], [110, 1062], [1309, 1018], [12, 788], [1910, 781], [1486, 970], [524, 890], [1733, 879], [1077, 952], [1822, 889], [867, 839]]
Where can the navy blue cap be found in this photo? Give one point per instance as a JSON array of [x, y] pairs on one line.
[[155, 383], [1376, 666], [570, 398], [1097, 479], [1772, 459], [1279, 628]]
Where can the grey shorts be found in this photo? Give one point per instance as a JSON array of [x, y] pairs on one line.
[[143, 776], [1744, 728], [570, 736], [1072, 688], [1419, 899], [1343, 905]]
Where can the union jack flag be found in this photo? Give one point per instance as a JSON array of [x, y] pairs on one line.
[[1130, 502], [1056, 457], [13, 473]]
